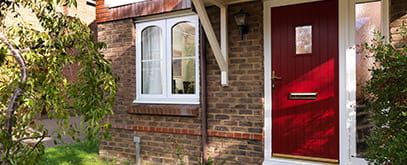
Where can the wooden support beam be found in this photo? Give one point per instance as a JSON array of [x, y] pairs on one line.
[[219, 3], [224, 41], [213, 42]]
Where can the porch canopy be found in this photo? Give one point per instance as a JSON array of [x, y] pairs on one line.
[[219, 50]]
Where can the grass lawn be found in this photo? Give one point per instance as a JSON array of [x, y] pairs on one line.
[[73, 154]]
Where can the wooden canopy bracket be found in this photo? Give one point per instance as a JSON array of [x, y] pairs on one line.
[[219, 50]]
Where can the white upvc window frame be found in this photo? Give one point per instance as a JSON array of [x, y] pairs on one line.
[[166, 97]]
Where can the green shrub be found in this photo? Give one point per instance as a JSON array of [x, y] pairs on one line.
[[387, 91]]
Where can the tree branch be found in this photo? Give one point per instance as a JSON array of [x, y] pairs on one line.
[[40, 44], [25, 50], [36, 144], [23, 80], [31, 137]]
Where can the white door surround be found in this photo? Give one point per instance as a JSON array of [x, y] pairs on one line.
[[347, 79]]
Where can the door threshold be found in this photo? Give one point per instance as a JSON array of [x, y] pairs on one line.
[[283, 161], [308, 159]]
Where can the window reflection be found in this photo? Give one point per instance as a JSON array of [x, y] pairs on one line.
[[368, 20], [183, 58], [303, 39]]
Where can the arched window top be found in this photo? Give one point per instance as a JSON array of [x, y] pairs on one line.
[[151, 37], [185, 27], [151, 28], [183, 36]]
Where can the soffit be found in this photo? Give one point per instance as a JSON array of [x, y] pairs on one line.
[[227, 2]]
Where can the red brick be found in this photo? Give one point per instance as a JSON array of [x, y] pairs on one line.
[[237, 135], [246, 136]]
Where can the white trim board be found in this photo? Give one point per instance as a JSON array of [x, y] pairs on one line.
[[347, 78]]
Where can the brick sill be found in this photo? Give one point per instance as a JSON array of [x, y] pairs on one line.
[[167, 110]]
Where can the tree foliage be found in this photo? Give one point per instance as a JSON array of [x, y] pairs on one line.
[[31, 81], [388, 102]]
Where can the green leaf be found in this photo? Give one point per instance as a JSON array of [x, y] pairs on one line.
[[63, 41]]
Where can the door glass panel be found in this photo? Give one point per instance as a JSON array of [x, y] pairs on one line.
[[183, 58], [303, 39], [151, 60], [368, 20]]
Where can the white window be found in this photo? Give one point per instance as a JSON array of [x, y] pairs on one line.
[[167, 61]]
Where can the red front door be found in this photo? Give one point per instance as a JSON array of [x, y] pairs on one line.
[[305, 120]]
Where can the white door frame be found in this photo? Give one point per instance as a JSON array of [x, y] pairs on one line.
[[347, 79]]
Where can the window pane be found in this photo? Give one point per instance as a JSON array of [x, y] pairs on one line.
[[183, 40], [183, 76], [183, 58], [151, 60], [368, 20], [303, 39]]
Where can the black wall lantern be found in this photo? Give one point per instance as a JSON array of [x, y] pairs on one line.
[[241, 22]]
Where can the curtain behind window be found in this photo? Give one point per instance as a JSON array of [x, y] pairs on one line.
[[151, 60]]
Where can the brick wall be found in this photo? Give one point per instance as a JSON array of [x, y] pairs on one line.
[[398, 19], [235, 151], [157, 132], [235, 113], [238, 108], [156, 148]]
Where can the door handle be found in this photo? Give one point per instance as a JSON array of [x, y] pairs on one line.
[[274, 77]]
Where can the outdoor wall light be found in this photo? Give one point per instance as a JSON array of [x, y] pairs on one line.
[[241, 23]]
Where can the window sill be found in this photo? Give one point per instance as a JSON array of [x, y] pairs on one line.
[[177, 101]]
